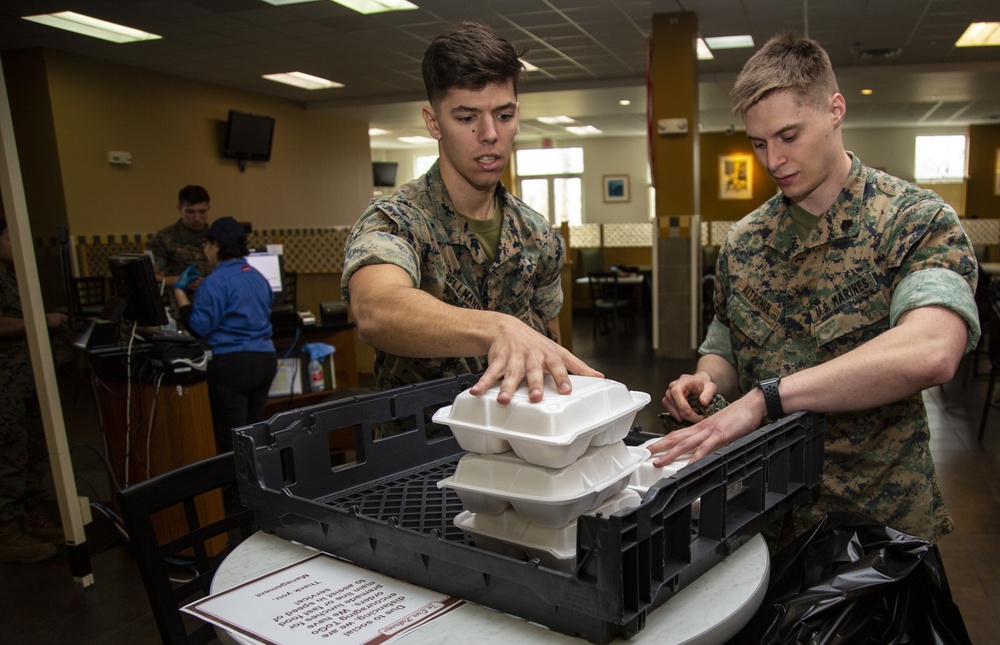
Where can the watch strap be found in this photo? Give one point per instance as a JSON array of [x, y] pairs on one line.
[[771, 397]]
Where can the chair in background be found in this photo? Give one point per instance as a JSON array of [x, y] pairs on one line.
[[90, 295], [607, 300], [158, 559], [291, 285], [993, 344], [992, 329]]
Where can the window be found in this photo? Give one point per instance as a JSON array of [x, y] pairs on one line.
[[551, 182], [940, 158], [422, 164]]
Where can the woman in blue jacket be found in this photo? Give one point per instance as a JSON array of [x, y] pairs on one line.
[[232, 313]]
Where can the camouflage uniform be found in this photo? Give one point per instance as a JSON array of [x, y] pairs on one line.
[[783, 304], [175, 248], [23, 454], [419, 230]]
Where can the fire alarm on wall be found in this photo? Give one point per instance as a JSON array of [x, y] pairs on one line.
[[672, 126]]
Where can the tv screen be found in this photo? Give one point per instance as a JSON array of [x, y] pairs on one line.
[[248, 136], [134, 280], [270, 265], [384, 173]]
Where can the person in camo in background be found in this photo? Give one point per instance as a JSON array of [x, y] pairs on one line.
[[848, 293], [452, 274], [27, 534], [179, 245]]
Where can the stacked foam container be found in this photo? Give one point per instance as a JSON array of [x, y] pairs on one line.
[[533, 468]]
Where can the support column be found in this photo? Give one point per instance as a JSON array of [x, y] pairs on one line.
[[674, 157]]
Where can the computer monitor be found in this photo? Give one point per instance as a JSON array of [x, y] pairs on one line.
[[134, 280], [272, 267]]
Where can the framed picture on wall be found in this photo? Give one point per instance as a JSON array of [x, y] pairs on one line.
[[616, 188], [996, 174], [736, 176]]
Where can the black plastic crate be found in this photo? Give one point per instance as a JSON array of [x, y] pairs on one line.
[[386, 513]]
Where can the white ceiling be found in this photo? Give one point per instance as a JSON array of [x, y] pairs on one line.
[[591, 53]]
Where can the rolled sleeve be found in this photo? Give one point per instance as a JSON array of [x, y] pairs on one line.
[[937, 287]]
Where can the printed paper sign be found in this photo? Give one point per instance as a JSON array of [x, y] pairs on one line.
[[322, 600]]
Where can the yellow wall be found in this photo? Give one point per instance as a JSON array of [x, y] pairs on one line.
[[980, 198], [319, 173]]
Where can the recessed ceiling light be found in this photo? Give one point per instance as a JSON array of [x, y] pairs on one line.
[[305, 81], [980, 34], [278, 3], [81, 24], [377, 6], [376, 132], [528, 67], [624, 102], [704, 53], [583, 129], [555, 120], [729, 42], [867, 91], [418, 140]]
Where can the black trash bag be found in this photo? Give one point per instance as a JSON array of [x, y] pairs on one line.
[[852, 580]]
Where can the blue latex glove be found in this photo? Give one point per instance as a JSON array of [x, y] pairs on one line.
[[187, 277]]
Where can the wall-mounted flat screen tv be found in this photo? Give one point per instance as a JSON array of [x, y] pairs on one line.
[[248, 136], [384, 173]]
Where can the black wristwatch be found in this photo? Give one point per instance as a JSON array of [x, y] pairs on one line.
[[772, 399]]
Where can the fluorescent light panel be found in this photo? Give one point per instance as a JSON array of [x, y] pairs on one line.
[[377, 6], [583, 129], [305, 81], [704, 53], [528, 67], [729, 42], [376, 132], [555, 120], [93, 27], [980, 34], [422, 141]]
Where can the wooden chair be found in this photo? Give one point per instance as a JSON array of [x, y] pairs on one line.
[[159, 559], [993, 344], [607, 300]]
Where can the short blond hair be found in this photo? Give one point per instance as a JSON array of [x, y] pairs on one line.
[[785, 62]]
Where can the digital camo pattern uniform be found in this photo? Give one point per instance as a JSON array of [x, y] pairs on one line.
[[419, 230], [23, 455], [783, 305], [175, 248]]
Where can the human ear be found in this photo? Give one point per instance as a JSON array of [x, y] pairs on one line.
[[430, 120]]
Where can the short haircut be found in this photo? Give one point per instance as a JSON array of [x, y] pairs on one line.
[[230, 251], [785, 62], [469, 56], [192, 195]]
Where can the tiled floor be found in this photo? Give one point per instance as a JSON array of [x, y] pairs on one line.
[[41, 604]]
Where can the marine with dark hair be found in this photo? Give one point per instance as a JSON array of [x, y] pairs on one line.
[[180, 244], [452, 274], [27, 534], [231, 312], [848, 293]]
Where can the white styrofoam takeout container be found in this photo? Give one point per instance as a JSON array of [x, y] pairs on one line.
[[647, 474], [554, 432], [509, 534], [547, 496]]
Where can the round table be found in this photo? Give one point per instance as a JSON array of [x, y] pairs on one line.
[[710, 610]]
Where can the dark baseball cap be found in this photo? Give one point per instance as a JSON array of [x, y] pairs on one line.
[[227, 230]]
